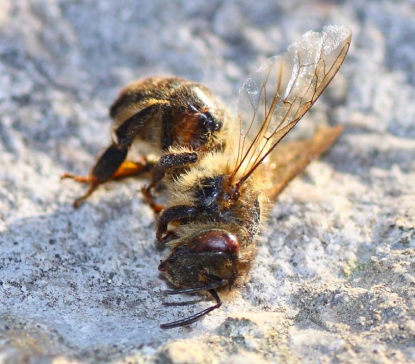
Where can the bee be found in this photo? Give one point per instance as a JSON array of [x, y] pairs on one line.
[[217, 206], [159, 113]]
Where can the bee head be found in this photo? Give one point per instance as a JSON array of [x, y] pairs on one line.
[[203, 258]]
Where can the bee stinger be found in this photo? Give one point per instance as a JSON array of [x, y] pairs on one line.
[[218, 205]]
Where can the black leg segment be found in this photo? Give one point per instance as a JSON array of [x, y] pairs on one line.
[[175, 213], [115, 155], [176, 160], [191, 319], [109, 162], [166, 138], [169, 162], [129, 129], [206, 287], [166, 163]]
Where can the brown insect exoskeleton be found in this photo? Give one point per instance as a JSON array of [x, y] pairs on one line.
[[159, 113], [218, 204]]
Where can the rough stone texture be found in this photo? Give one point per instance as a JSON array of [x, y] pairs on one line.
[[334, 278]]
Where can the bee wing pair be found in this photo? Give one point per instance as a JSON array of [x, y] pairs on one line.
[[277, 95]]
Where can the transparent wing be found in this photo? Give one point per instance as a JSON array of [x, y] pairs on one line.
[[276, 96], [291, 158]]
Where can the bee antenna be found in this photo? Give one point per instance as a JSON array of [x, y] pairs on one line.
[[206, 287], [191, 319]]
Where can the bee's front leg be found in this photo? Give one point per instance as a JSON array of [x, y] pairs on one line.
[[175, 213], [168, 162]]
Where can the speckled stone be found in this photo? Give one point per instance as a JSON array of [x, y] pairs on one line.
[[334, 276]]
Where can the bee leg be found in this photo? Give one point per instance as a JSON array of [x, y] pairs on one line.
[[133, 168], [191, 319], [170, 236], [126, 169], [102, 171], [150, 200], [216, 283], [175, 213], [110, 164], [167, 162]]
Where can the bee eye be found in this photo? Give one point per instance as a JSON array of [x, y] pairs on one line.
[[162, 266], [172, 259], [215, 241], [210, 123]]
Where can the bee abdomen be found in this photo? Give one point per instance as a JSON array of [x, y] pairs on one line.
[[140, 91]]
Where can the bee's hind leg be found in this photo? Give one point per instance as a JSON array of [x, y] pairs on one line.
[[104, 169], [112, 163]]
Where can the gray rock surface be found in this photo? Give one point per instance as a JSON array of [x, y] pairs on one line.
[[334, 277]]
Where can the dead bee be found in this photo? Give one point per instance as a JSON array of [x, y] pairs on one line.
[[217, 206], [159, 113]]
